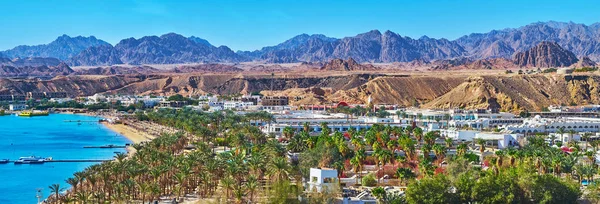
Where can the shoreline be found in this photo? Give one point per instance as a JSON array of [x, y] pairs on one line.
[[131, 134]]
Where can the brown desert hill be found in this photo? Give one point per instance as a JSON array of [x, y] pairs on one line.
[[347, 65], [508, 92], [545, 54], [403, 90], [521, 92]]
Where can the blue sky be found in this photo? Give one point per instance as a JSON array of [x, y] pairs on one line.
[[250, 25]]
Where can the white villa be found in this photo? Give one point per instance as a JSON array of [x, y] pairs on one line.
[[322, 179]]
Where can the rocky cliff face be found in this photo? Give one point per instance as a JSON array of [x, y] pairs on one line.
[[545, 54]]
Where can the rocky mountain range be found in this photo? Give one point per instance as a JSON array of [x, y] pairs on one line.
[[170, 48], [373, 46], [63, 48]]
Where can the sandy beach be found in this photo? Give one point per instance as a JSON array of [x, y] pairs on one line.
[[130, 133]]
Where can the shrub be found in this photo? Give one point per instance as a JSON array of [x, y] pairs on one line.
[[369, 180], [586, 69], [549, 70]]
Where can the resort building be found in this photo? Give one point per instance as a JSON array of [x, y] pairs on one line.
[[237, 105], [549, 125], [459, 135], [275, 101], [96, 98], [335, 121], [17, 107], [322, 179], [172, 104], [485, 123], [500, 140]]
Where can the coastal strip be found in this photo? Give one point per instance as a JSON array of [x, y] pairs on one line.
[[130, 133]]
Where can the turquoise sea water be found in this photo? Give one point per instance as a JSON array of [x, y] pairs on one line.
[[48, 137]]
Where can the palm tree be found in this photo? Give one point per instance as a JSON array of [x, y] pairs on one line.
[[404, 174], [439, 151], [499, 158], [418, 133], [586, 136], [55, 189], [357, 162], [571, 133], [553, 138], [74, 181], [448, 142], [430, 137], [385, 156], [590, 156], [481, 143], [278, 169], [461, 149], [251, 185], [306, 127], [227, 184]]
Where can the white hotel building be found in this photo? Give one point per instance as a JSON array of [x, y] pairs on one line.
[[335, 122], [538, 124]]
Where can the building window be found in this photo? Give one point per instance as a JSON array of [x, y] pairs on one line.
[[329, 180]]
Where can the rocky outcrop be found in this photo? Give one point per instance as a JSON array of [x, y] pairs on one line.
[[347, 65], [584, 62], [466, 63], [545, 54]]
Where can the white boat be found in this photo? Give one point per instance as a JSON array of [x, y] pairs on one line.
[[30, 160]]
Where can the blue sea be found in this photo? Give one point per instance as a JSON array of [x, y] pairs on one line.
[[48, 136]]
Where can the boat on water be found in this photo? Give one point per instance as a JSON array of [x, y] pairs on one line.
[[30, 160], [106, 146], [4, 161], [33, 113]]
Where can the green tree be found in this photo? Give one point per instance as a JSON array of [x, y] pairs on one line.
[[436, 189]]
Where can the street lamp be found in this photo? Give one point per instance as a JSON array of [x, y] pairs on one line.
[[39, 194]]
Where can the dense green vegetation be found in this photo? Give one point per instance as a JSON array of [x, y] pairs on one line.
[[256, 167], [586, 69]]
